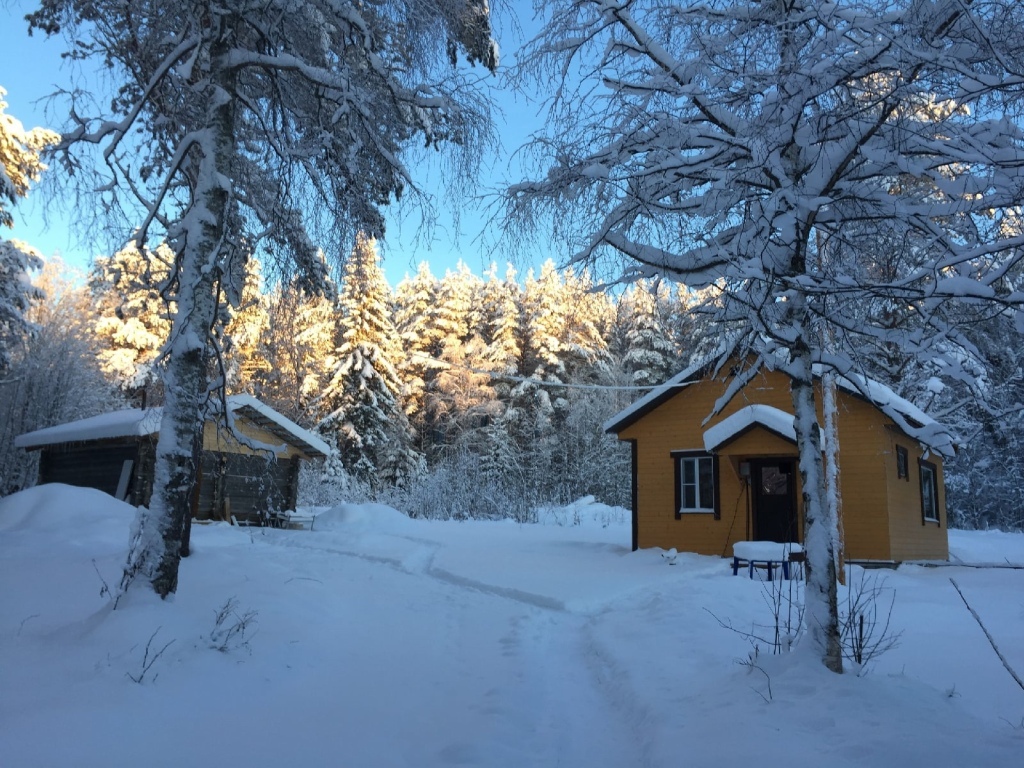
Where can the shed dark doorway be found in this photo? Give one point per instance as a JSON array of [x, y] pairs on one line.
[[774, 490]]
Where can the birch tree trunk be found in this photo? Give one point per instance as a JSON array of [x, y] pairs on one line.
[[821, 601], [180, 445]]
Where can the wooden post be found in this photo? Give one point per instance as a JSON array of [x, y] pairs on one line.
[[293, 482]]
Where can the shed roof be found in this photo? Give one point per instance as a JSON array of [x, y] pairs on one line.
[[138, 422]]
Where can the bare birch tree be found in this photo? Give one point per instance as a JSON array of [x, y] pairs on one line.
[[242, 125], [764, 148]]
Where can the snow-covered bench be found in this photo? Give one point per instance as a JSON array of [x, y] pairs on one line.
[[293, 519], [767, 555]]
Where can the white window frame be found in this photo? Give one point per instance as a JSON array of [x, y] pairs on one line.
[[704, 506]]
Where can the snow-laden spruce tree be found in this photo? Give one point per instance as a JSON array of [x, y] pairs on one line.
[[455, 320], [244, 322], [242, 125], [19, 167], [501, 324], [462, 400], [740, 143], [649, 356], [132, 318], [364, 417], [415, 319], [296, 346]]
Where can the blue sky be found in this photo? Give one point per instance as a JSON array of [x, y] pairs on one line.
[[31, 68]]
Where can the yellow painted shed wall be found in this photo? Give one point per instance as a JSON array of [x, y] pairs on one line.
[[218, 439]]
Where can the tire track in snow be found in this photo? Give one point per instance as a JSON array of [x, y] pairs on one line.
[[612, 682], [575, 707]]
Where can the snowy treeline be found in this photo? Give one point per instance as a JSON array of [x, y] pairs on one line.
[[488, 392]]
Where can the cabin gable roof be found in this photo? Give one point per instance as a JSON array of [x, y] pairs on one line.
[[931, 434]]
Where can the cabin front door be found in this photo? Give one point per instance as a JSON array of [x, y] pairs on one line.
[[773, 485]]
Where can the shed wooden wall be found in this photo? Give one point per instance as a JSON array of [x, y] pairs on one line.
[[911, 536], [249, 485], [863, 441], [87, 465]]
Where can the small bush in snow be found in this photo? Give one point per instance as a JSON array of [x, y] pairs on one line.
[[864, 622], [149, 658], [865, 629], [231, 629]]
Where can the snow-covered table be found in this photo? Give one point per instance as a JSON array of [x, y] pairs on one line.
[[765, 554]]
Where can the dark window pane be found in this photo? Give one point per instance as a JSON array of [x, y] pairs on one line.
[[901, 462], [707, 484], [688, 471], [928, 493], [774, 482], [689, 497]]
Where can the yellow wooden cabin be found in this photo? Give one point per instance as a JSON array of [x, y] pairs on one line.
[[701, 487]]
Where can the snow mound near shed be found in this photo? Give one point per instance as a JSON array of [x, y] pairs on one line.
[[364, 518], [65, 509]]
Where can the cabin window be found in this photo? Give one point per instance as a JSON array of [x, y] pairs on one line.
[[902, 464], [696, 480], [929, 492]]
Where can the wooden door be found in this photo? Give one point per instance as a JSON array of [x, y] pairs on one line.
[[774, 492]]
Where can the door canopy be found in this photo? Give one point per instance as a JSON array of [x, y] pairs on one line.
[[773, 419]]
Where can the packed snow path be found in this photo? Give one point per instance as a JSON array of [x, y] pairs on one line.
[[382, 641]]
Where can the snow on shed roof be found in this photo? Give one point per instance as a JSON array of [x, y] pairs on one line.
[[767, 416], [130, 422], [263, 415], [907, 416], [137, 422]]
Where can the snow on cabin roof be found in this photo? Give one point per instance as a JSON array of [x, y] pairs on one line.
[[136, 422], [653, 398], [774, 419], [911, 419]]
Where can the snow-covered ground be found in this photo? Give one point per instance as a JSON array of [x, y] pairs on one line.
[[384, 641]]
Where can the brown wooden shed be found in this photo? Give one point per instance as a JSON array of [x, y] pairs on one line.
[[115, 452], [701, 487]]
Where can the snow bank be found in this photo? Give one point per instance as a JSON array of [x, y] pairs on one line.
[[986, 547], [364, 518], [491, 643], [584, 512], [55, 508]]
